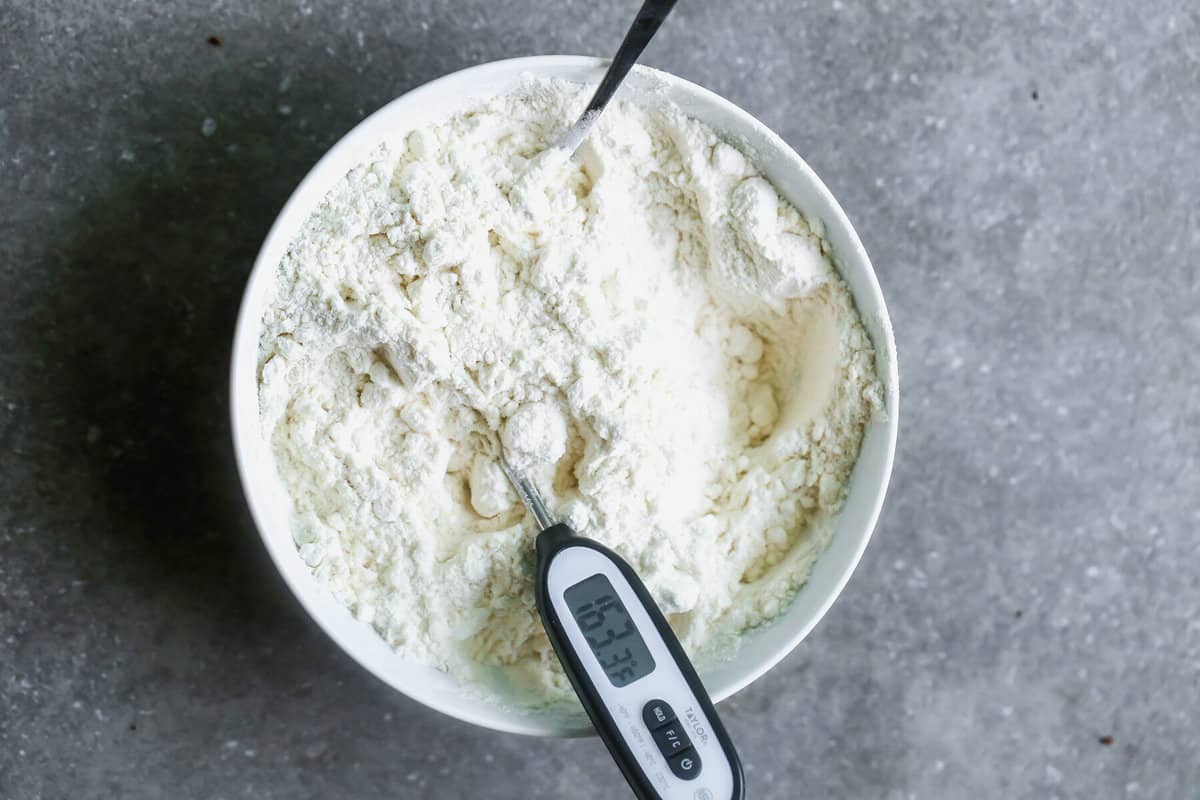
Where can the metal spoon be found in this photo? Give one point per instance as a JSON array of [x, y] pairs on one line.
[[525, 193], [647, 23]]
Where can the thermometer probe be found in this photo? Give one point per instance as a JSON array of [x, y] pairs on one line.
[[632, 676]]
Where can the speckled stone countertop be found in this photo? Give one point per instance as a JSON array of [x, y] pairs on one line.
[[1025, 176]]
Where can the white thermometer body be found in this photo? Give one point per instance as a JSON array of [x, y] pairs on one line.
[[631, 674]]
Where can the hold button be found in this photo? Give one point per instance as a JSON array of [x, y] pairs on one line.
[[657, 713]]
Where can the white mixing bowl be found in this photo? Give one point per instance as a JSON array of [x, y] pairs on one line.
[[761, 648]]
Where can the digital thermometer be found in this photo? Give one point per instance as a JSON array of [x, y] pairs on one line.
[[632, 676]]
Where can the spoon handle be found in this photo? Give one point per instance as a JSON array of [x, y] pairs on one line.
[[647, 23]]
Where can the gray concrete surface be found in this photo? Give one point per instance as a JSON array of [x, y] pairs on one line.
[[1026, 177]]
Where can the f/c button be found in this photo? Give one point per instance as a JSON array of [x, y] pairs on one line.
[[671, 739]]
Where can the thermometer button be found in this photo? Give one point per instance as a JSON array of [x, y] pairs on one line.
[[657, 713], [685, 765]]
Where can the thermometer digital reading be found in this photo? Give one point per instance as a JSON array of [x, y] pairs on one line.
[[632, 676]]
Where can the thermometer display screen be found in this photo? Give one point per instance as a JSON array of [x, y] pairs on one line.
[[609, 630]]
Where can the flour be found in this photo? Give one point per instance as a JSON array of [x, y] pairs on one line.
[[654, 334], [535, 434]]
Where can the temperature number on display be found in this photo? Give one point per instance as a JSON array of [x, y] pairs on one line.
[[609, 630]]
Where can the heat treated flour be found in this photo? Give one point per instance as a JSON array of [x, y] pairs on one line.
[[648, 327]]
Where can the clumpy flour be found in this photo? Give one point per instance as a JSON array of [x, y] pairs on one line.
[[649, 328]]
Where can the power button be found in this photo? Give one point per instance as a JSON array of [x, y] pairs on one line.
[[685, 765]]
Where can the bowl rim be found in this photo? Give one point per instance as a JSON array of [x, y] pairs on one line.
[[244, 390]]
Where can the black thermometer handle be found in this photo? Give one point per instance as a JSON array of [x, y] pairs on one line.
[[549, 543]]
